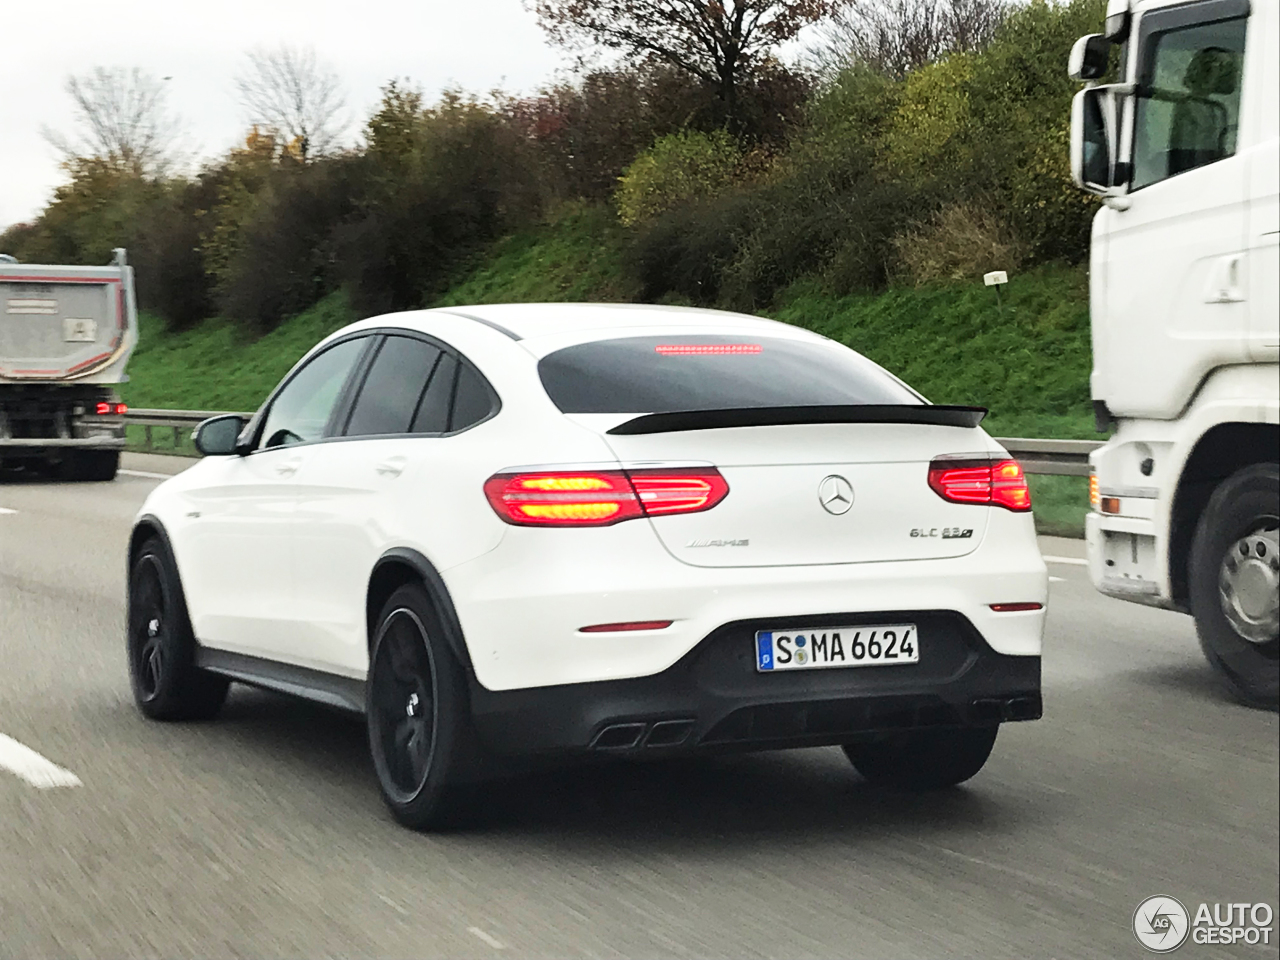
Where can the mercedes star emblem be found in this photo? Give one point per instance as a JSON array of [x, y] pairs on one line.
[[835, 493]]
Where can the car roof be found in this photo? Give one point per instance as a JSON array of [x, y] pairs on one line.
[[533, 321]]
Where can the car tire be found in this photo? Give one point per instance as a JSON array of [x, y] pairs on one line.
[[89, 465], [924, 759], [418, 717], [1234, 573], [167, 684]]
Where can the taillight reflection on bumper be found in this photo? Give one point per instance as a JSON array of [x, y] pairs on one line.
[[598, 498], [999, 483]]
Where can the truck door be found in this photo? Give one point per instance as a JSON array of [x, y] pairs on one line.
[[1264, 193], [1175, 290]]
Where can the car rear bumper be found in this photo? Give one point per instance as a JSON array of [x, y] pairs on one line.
[[713, 698]]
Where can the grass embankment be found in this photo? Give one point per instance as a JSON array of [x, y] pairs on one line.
[[1027, 360]]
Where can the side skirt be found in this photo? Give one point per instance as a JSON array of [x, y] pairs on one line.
[[344, 693]]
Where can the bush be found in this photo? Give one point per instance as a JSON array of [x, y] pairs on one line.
[[678, 168], [962, 242]]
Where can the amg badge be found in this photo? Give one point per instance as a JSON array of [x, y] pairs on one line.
[[946, 533]]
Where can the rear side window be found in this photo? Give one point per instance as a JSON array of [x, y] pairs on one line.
[[716, 372], [433, 411], [395, 383]]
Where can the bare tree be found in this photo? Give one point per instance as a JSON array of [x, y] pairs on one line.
[[721, 42], [122, 118], [897, 36], [296, 96]]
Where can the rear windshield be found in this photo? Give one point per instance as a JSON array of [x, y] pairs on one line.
[[665, 374]]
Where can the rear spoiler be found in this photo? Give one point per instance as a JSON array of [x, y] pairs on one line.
[[929, 414]]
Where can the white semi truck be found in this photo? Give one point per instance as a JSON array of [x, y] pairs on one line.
[[1185, 306], [66, 334]]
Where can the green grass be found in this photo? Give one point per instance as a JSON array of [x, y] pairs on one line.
[[1059, 504], [575, 257], [1027, 361], [217, 365]]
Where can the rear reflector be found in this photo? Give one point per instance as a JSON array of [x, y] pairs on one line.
[[1015, 607], [626, 627], [599, 498], [998, 483], [1109, 505]]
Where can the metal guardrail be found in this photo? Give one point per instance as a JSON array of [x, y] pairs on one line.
[[1064, 458]]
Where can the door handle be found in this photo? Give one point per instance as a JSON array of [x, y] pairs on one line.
[[391, 467], [1226, 281], [289, 467]]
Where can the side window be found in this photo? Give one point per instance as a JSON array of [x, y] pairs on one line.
[[472, 401], [397, 379], [300, 412], [1188, 107], [433, 410]]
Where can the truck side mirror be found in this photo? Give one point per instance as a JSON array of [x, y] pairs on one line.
[[1089, 58], [1093, 140], [216, 437]]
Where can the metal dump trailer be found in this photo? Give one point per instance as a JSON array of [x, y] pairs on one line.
[[66, 334]]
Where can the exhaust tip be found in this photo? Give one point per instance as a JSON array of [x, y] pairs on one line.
[[618, 736], [669, 733]]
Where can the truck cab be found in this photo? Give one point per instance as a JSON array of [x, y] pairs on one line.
[[1184, 149]]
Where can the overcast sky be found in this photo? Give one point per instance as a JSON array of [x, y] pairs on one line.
[[476, 44]]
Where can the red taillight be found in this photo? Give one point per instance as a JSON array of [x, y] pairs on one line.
[[104, 409], [1000, 482], [122, 409], [599, 498]]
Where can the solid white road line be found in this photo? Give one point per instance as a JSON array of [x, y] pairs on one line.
[[33, 768], [1074, 561], [4, 510], [145, 475]]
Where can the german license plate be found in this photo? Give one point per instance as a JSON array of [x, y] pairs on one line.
[[820, 648]]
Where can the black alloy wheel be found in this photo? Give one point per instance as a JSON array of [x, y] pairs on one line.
[[418, 717], [167, 684]]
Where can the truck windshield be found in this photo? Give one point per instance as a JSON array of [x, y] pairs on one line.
[[711, 372]]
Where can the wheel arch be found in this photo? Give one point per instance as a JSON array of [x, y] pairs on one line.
[[144, 529], [400, 566], [1220, 452]]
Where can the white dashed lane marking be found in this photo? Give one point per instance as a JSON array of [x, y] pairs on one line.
[[24, 762], [4, 510], [490, 940]]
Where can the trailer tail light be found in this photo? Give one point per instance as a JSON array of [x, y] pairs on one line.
[[599, 498], [104, 409], [998, 483]]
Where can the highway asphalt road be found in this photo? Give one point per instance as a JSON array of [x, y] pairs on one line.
[[262, 834]]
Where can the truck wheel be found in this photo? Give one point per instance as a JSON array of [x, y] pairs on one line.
[[89, 465], [1235, 584], [167, 684], [924, 759], [418, 717]]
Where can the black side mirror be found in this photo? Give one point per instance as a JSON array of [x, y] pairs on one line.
[[218, 436], [1093, 141], [1089, 58]]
